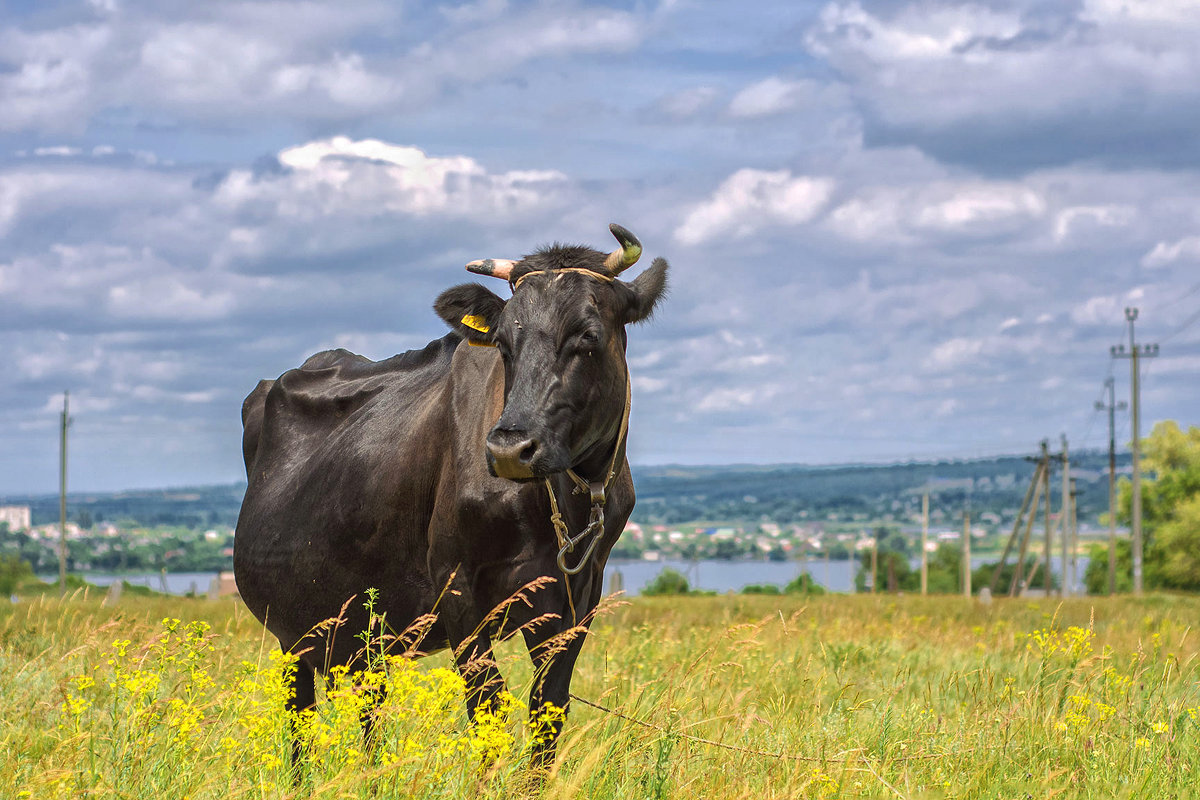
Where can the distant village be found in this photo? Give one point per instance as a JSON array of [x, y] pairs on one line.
[[104, 547], [192, 530], [774, 542]]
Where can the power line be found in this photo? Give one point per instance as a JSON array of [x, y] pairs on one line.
[[1180, 329], [1181, 297]]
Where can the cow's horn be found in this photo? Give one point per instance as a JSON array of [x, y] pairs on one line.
[[627, 254], [492, 267]]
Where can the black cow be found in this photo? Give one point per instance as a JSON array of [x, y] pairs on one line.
[[433, 476]]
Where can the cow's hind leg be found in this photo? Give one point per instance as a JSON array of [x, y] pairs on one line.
[[302, 698]]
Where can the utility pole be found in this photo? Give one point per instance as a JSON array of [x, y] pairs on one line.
[[1111, 405], [1065, 587], [874, 565], [1136, 352], [62, 496], [1035, 482], [925, 542], [1041, 478], [966, 560], [1074, 535], [1049, 533]]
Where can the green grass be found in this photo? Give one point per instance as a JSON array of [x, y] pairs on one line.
[[837, 696]]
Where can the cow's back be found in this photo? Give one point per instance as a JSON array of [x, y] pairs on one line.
[[342, 459]]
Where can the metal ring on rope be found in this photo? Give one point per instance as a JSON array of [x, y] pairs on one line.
[[595, 528]]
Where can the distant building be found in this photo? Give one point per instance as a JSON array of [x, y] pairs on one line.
[[17, 517]]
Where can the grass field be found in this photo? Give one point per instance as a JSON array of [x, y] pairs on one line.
[[841, 696]]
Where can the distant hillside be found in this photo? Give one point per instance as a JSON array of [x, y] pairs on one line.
[[780, 492], [190, 506], [787, 493]]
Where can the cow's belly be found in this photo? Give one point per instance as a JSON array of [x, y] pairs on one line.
[[308, 548]]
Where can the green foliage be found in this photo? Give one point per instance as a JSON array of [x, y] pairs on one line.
[[1095, 579], [138, 589], [1170, 510], [669, 581], [761, 588], [13, 572], [1178, 541], [982, 576], [894, 572], [804, 584]]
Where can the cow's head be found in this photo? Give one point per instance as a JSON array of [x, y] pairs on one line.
[[562, 339]]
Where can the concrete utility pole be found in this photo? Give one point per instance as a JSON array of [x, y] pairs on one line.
[[925, 542], [62, 496], [1111, 405], [1136, 352], [1065, 588]]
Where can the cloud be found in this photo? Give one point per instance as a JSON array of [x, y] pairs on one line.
[[750, 199], [341, 175], [1104, 309], [770, 96], [953, 353], [937, 208], [1085, 220], [1000, 86], [312, 62], [685, 103], [1187, 248]]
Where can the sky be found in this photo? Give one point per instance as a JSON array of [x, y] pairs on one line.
[[897, 230]]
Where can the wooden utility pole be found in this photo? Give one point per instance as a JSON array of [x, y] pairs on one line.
[[874, 565], [1074, 535], [1012, 539], [1064, 529], [1111, 405], [925, 542], [966, 558], [1041, 478], [62, 496], [1049, 533]]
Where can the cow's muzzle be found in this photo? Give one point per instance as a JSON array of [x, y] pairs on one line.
[[511, 454]]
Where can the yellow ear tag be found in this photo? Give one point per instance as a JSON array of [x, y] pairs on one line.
[[476, 323]]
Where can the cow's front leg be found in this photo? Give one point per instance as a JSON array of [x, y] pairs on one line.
[[473, 656], [554, 655]]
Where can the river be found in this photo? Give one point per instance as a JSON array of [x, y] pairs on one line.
[[716, 576]]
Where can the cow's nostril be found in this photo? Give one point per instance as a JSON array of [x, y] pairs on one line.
[[528, 452]]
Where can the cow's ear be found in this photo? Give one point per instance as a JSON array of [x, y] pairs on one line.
[[471, 310], [646, 290]]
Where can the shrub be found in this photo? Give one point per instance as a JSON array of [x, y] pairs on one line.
[[669, 581], [761, 588], [13, 572], [804, 584]]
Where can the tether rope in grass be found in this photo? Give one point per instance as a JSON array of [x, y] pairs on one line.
[[861, 756]]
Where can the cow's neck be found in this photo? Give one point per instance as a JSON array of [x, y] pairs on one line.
[[601, 462]]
